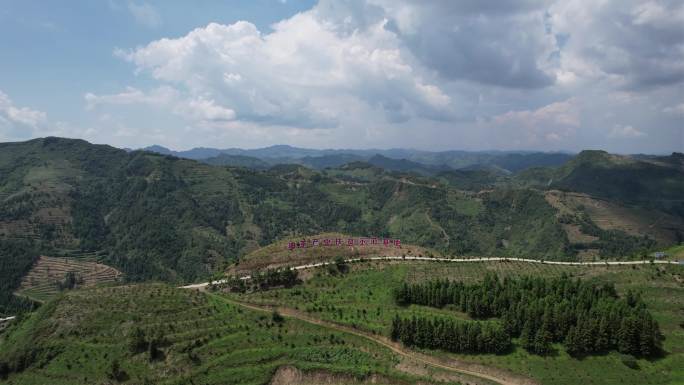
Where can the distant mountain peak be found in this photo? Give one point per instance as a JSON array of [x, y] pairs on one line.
[[159, 149]]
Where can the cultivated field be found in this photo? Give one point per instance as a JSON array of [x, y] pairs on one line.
[[198, 338], [43, 280], [611, 216]]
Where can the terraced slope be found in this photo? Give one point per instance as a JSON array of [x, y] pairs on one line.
[[363, 299], [156, 334], [45, 277], [664, 228]]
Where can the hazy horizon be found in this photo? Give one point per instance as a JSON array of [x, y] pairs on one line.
[[472, 76]]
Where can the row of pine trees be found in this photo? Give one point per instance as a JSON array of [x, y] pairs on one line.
[[586, 317], [451, 335]]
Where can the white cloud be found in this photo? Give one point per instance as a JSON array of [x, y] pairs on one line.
[[560, 114], [197, 109], [206, 110], [145, 14], [18, 122], [623, 43], [157, 97], [520, 74], [301, 74], [552, 123], [625, 132]]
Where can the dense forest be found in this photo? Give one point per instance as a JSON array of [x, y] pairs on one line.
[[451, 335], [585, 317], [16, 259]]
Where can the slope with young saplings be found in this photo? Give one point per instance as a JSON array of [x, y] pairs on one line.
[[50, 275], [157, 334]]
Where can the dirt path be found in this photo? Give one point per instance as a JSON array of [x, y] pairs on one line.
[[444, 233], [496, 375]]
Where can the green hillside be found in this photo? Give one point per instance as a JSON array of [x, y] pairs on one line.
[[155, 216], [155, 334], [365, 298], [654, 183]]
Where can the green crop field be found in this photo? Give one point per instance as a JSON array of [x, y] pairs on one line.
[[363, 298]]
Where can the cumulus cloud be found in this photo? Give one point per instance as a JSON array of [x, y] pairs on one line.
[[497, 43], [628, 43], [548, 124], [524, 74], [560, 113], [301, 74], [18, 122], [625, 132], [196, 109]]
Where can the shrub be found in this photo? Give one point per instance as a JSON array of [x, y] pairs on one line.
[[277, 318], [629, 361]]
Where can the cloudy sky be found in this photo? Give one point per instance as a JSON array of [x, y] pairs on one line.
[[441, 74]]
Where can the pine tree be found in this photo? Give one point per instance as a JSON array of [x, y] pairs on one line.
[[602, 343], [542, 342], [526, 337], [396, 328], [628, 337], [572, 344]]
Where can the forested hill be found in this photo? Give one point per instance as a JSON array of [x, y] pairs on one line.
[[156, 216], [655, 182]]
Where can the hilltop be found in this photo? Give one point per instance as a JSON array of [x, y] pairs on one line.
[[653, 182], [283, 253]]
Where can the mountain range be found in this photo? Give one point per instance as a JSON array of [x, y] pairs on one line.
[[418, 160], [162, 217]]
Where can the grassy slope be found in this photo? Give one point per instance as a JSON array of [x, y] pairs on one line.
[[364, 298], [74, 340]]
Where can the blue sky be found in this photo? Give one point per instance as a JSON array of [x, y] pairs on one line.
[[53, 53], [477, 75]]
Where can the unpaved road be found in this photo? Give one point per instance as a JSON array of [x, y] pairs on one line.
[[496, 375], [458, 260]]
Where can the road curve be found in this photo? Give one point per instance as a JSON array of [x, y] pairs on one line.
[[498, 376], [457, 260]]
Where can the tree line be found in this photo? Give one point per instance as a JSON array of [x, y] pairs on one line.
[[262, 280], [586, 317], [451, 335]]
